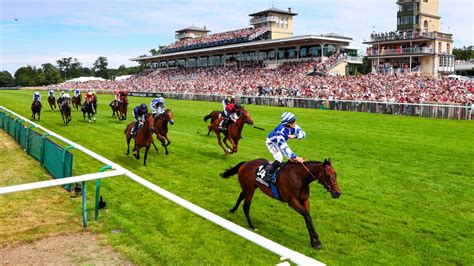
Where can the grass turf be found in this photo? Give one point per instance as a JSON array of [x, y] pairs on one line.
[[407, 187]]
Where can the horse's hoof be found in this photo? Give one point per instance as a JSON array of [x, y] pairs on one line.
[[317, 246], [232, 210]]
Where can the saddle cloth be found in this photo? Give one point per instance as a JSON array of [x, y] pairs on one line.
[[260, 177]]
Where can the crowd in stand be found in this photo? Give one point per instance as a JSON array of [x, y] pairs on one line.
[[240, 34], [397, 35], [290, 80]]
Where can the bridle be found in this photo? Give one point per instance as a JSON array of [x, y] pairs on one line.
[[324, 180]]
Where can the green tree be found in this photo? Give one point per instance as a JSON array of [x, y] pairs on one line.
[[6, 79], [366, 66], [25, 76], [64, 65], [76, 69], [100, 67], [51, 74], [465, 53]]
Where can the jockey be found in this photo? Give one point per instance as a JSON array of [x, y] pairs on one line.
[[139, 113], [118, 93], [61, 97], [77, 93], [51, 92], [157, 106], [90, 97], [226, 101], [276, 142], [231, 115], [36, 97]]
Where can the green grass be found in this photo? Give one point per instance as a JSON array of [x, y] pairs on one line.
[[406, 182]]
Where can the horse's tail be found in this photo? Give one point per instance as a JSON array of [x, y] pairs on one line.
[[232, 171], [207, 117]]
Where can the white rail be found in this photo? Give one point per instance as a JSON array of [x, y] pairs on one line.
[[58, 182], [282, 251]]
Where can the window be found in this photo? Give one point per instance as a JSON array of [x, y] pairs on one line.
[[425, 26], [439, 47], [426, 1], [448, 48]]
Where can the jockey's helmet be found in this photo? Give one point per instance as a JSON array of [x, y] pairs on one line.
[[37, 93], [287, 117], [161, 100], [143, 106], [89, 93]]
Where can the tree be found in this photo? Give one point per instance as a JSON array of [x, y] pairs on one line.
[[465, 53], [366, 66], [51, 74], [6, 79], [64, 65], [75, 70], [25, 76], [100, 67]]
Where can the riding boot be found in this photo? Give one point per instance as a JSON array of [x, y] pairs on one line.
[[271, 171], [134, 130]]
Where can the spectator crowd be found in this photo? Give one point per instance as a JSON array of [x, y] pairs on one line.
[[289, 80]]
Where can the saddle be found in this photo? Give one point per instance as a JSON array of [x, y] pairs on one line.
[[260, 178]]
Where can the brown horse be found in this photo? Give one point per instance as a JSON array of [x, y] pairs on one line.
[[36, 109], [293, 186], [123, 108], [144, 137], [65, 109], [77, 102], [214, 115], [233, 132], [161, 129], [52, 102]]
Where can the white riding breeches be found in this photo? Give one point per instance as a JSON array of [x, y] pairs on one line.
[[279, 151]]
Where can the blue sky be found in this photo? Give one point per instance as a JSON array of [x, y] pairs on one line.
[[49, 30]]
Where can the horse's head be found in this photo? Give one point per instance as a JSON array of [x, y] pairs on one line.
[[169, 116], [245, 116], [125, 99], [328, 178], [149, 121]]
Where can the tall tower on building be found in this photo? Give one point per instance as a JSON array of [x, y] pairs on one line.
[[279, 23], [417, 46]]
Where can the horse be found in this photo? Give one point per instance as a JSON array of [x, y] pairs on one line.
[[161, 129], [52, 102], [87, 108], [213, 116], [76, 102], [36, 109], [144, 137], [65, 109], [233, 132], [123, 108], [120, 110], [293, 186]]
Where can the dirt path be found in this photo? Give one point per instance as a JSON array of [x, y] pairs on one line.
[[83, 248]]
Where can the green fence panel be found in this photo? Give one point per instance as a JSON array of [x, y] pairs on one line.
[[35, 147], [2, 115], [11, 127], [22, 134], [53, 161]]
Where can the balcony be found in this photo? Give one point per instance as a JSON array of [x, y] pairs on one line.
[[404, 51], [396, 36], [263, 20], [184, 35]]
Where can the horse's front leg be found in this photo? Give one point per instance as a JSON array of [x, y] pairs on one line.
[[303, 209], [137, 152], [248, 200], [147, 148], [229, 150], [156, 149]]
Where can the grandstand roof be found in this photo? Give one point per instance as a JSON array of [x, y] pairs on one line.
[[274, 10], [247, 46], [193, 28]]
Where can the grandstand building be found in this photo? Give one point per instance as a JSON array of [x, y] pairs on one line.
[[417, 46], [269, 41]]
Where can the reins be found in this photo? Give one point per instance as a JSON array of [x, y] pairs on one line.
[[307, 170]]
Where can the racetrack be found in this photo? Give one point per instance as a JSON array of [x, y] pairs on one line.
[[407, 187]]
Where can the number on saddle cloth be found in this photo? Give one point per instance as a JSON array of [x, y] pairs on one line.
[[260, 177]]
